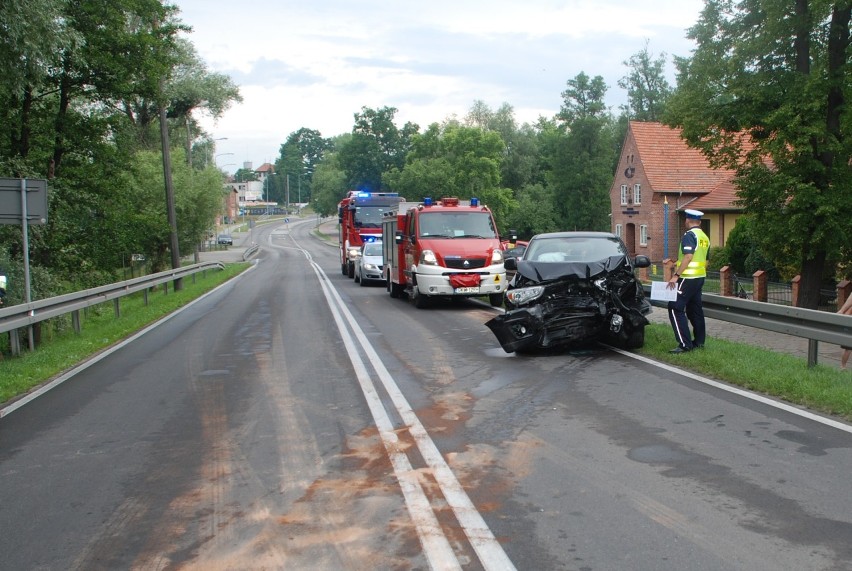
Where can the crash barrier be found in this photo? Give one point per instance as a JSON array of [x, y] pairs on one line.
[[250, 251], [810, 324], [26, 314]]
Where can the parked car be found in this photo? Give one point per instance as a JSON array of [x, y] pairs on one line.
[[368, 266], [225, 239], [572, 288]]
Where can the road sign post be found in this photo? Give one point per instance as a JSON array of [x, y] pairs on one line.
[[24, 201]]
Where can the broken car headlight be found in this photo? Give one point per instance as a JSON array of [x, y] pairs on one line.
[[523, 295]]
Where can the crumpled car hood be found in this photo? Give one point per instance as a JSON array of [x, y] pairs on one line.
[[549, 271], [582, 301]]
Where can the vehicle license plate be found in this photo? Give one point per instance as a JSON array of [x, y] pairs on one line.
[[467, 290]]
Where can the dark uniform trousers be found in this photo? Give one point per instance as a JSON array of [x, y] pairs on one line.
[[687, 309]]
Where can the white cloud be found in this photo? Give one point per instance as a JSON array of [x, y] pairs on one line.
[[315, 64]]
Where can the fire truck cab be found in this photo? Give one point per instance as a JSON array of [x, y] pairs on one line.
[[447, 248], [360, 216]]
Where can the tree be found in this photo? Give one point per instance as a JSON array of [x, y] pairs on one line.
[[766, 93], [299, 157], [648, 91], [376, 147], [581, 156], [329, 185]]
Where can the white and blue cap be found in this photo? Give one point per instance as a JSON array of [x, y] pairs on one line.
[[693, 214]]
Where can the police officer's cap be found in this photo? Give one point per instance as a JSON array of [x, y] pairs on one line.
[[694, 214]]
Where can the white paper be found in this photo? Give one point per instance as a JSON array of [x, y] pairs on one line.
[[661, 292]]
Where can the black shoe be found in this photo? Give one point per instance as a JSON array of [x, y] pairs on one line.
[[698, 346], [678, 350]]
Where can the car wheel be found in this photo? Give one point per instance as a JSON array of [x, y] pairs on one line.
[[343, 268], [361, 280], [419, 300], [357, 277], [395, 290], [636, 340], [496, 299], [351, 270]]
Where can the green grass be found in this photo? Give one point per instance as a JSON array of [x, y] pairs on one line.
[[785, 377], [61, 350]]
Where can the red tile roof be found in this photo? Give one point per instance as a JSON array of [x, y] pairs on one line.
[[265, 167], [672, 166]]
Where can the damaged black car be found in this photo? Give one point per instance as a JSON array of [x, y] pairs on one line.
[[572, 288]]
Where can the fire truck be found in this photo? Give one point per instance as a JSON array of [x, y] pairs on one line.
[[360, 216], [447, 248]]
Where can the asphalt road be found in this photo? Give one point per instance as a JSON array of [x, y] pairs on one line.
[[295, 420]]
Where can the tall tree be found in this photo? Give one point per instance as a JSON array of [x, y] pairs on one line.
[[648, 91], [581, 156], [299, 157], [376, 146], [767, 93]]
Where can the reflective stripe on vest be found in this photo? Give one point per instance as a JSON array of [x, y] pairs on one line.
[[697, 267]]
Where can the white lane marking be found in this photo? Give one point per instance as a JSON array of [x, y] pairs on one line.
[[740, 392], [487, 548], [436, 547]]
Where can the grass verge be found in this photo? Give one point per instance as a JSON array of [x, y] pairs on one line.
[[99, 330], [821, 388]]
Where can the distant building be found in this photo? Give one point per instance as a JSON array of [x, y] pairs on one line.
[[658, 173]]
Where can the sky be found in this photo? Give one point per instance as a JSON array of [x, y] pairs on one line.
[[316, 63]]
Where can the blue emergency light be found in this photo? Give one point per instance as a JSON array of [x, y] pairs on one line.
[[474, 202], [369, 238], [427, 201]]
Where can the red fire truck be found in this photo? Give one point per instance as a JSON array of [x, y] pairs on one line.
[[442, 249], [360, 215]]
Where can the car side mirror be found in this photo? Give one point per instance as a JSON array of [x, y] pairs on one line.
[[510, 264], [641, 262]]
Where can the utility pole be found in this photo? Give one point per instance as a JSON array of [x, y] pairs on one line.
[[170, 190]]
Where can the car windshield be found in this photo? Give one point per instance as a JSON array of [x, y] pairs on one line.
[[373, 249], [457, 225], [573, 249]]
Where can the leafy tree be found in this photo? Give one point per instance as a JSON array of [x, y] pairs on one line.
[[329, 185], [199, 197], [648, 91], [194, 88], [376, 147], [581, 156], [766, 93], [299, 157], [535, 213]]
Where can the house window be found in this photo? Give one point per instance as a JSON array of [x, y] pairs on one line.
[[637, 194], [643, 235], [623, 194], [618, 230]]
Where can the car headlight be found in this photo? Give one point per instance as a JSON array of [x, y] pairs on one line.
[[370, 267], [497, 257], [523, 295], [428, 258], [354, 253]]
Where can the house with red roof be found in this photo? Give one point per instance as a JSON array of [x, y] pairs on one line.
[[657, 178]]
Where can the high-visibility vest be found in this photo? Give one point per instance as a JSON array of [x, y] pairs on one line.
[[697, 267]]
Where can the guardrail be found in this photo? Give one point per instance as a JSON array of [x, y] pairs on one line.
[[809, 324], [26, 314]]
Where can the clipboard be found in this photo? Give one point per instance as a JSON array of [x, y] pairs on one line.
[[660, 292]]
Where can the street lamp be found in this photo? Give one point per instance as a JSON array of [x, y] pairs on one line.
[[210, 148], [220, 155]]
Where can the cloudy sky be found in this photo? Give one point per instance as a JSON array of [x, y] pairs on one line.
[[315, 64]]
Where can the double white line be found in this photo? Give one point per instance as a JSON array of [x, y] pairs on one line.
[[436, 547]]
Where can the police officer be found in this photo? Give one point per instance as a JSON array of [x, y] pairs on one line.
[[688, 278]]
